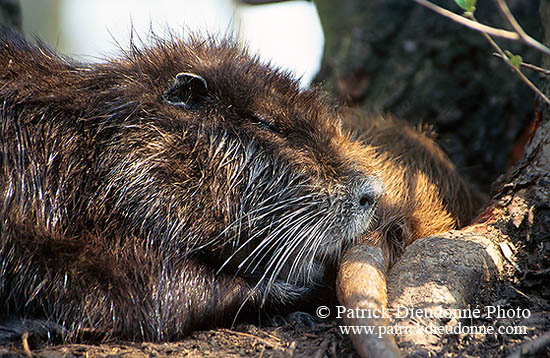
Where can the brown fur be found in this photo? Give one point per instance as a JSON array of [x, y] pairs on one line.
[[186, 184], [424, 195], [172, 189]]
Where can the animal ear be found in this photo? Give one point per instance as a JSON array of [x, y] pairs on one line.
[[188, 90]]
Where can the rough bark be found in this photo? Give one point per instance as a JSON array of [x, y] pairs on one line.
[[451, 269]]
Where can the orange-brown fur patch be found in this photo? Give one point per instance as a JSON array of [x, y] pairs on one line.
[[424, 192]]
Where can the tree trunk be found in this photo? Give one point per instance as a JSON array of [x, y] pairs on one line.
[[395, 56], [452, 268]]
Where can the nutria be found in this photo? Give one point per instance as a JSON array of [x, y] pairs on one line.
[[168, 190], [176, 188]]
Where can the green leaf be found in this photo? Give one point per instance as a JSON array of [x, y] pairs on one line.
[[461, 3], [516, 60], [467, 5]]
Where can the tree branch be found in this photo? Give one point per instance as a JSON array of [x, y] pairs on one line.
[[519, 34], [512, 67], [507, 14], [526, 65], [510, 35]]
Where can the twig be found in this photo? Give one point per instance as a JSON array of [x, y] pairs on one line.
[[512, 67], [507, 14], [505, 11], [510, 35], [527, 65], [470, 21]]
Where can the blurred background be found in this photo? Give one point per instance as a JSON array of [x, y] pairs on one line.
[[288, 34]]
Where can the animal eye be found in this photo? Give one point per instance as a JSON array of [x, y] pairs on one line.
[[263, 123]]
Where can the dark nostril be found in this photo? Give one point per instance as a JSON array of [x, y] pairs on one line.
[[365, 201], [370, 192]]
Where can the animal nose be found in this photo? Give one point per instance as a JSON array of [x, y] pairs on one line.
[[366, 200], [369, 192]]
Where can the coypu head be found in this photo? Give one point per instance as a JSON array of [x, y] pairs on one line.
[[269, 186], [202, 151]]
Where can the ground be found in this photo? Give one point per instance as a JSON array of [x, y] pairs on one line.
[[526, 288]]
